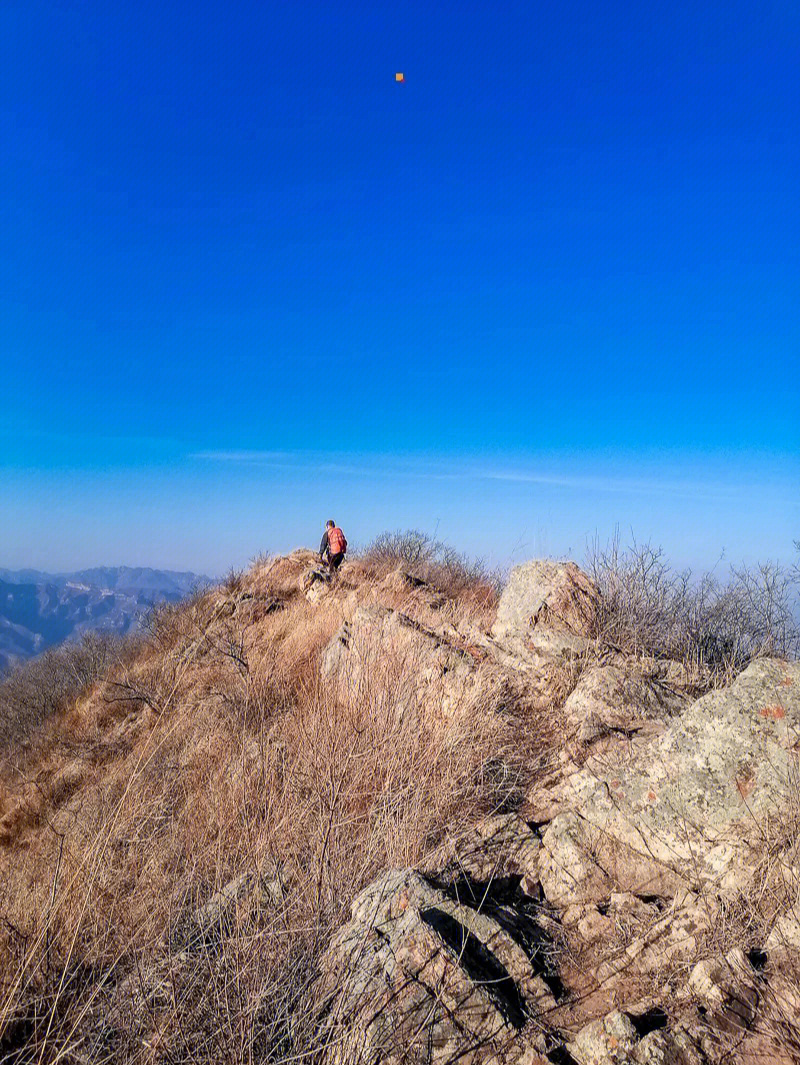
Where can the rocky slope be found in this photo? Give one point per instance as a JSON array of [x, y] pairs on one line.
[[657, 819], [607, 867]]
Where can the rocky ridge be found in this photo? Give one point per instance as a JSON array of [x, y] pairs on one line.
[[633, 895], [586, 925]]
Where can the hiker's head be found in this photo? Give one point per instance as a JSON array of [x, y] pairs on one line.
[[330, 524]]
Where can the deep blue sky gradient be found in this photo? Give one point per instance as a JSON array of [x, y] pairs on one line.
[[548, 284]]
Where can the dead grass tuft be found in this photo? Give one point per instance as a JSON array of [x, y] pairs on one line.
[[213, 753]]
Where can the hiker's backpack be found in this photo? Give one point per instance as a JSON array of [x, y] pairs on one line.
[[336, 541]]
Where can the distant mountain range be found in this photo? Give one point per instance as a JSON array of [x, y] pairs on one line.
[[39, 610]]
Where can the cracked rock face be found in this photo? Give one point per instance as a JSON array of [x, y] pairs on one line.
[[617, 698], [439, 966], [315, 582], [552, 598], [698, 798], [424, 665], [624, 1039], [455, 961], [443, 667], [647, 825]]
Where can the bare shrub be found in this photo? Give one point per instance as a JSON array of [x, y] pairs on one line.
[[408, 547], [35, 691], [168, 624], [650, 608], [437, 563]]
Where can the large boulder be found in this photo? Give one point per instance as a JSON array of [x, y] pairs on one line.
[[620, 698], [727, 987], [684, 815], [701, 798], [444, 965], [552, 605]]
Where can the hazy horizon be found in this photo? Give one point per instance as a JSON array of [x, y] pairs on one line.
[[502, 511]]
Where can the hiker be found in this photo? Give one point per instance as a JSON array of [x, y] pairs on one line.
[[334, 543]]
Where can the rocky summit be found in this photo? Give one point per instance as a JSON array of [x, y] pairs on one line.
[[486, 836]]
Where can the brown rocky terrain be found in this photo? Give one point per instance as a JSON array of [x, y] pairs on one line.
[[391, 819]]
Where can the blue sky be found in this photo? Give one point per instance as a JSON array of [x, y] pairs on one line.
[[547, 285]]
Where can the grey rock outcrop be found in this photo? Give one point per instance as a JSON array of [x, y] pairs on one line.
[[620, 698], [550, 605], [643, 830], [440, 966], [696, 805], [446, 665], [614, 1040], [315, 582], [227, 909], [727, 987], [425, 665]]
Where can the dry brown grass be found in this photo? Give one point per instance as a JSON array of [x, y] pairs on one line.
[[217, 750]]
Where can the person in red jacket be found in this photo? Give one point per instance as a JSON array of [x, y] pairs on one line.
[[334, 542]]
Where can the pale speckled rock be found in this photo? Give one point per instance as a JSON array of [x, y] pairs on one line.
[[379, 643], [693, 806], [727, 987], [785, 936], [594, 927], [613, 1040], [610, 1040], [436, 963], [227, 908], [550, 597], [499, 847], [418, 590], [315, 583], [663, 940], [568, 871], [611, 698], [443, 967]]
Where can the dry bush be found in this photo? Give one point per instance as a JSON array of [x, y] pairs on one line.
[[422, 556], [649, 608], [37, 690], [223, 753], [168, 624]]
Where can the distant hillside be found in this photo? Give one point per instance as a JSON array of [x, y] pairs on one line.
[[39, 610]]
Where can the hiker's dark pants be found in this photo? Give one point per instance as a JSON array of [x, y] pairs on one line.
[[335, 561]]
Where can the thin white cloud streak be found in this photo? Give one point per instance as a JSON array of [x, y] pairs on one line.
[[623, 485], [240, 456], [306, 461], [275, 460]]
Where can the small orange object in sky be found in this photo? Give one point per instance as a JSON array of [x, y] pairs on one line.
[[399, 77]]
